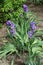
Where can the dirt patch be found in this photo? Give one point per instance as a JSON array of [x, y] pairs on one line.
[[3, 31], [38, 10], [4, 62]]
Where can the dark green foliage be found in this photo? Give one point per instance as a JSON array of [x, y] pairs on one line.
[[10, 9]]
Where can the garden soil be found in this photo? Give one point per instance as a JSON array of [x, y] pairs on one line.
[[38, 10]]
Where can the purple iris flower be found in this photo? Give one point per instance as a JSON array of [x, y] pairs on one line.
[[12, 25], [33, 25], [12, 31], [25, 7], [8, 23], [30, 33]]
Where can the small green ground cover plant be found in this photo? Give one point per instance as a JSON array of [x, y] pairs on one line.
[[24, 36], [9, 9]]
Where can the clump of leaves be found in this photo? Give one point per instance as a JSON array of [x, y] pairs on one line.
[[8, 8], [8, 48]]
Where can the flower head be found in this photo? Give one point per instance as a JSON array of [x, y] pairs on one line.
[[30, 33], [12, 25], [8, 23], [25, 7], [12, 31], [33, 25]]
